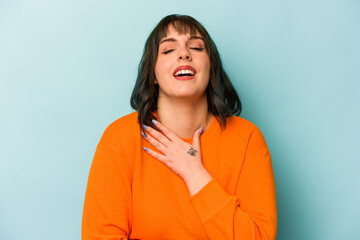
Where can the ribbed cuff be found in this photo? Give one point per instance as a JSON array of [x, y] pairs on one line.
[[211, 199]]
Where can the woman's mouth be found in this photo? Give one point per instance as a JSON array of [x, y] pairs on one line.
[[184, 73]]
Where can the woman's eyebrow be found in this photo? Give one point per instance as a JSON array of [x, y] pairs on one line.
[[174, 40]]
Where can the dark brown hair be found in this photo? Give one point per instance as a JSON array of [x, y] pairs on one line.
[[223, 100]]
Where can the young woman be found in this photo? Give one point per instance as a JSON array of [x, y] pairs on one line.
[[183, 165]]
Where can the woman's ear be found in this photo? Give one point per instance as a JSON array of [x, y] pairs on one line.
[[155, 81]]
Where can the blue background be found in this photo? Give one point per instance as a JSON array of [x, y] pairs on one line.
[[67, 69]]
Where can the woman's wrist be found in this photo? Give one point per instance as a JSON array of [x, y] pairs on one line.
[[199, 180]]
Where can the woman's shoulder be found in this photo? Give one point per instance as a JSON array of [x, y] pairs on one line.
[[121, 131], [237, 123], [124, 125], [246, 129], [126, 121]]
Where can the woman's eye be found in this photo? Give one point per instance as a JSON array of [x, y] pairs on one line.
[[198, 48], [168, 51]]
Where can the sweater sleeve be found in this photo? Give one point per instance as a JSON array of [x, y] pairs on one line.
[[107, 205], [251, 214]]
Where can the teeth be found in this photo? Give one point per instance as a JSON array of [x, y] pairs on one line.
[[184, 72]]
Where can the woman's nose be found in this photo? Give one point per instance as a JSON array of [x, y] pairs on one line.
[[184, 55], [187, 57]]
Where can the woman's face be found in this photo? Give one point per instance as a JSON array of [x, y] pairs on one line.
[[188, 53]]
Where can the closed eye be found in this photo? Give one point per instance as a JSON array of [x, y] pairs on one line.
[[168, 51], [197, 49]]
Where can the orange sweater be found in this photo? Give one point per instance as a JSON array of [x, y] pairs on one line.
[[131, 195]]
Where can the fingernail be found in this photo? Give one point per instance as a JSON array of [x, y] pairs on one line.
[[143, 134], [146, 149], [145, 126], [201, 129], [154, 121]]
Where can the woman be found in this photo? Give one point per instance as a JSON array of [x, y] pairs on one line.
[[183, 165]]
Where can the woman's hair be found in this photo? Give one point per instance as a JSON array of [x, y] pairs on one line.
[[223, 100]]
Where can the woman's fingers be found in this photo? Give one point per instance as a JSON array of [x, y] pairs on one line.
[[162, 158], [158, 135], [168, 133], [154, 142]]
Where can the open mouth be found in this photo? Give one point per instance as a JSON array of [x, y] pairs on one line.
[[184, 73]]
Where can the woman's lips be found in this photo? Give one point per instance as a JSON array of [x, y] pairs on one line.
[[185, 67], [184, 78]]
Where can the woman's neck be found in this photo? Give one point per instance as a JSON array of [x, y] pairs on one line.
[[184, 118]]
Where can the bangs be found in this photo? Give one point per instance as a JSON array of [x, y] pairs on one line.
[[181, 26]]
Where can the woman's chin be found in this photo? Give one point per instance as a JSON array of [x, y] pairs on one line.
[[186, 95], [182, 93]]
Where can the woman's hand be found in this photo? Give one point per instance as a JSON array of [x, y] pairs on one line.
[[181, 157]]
